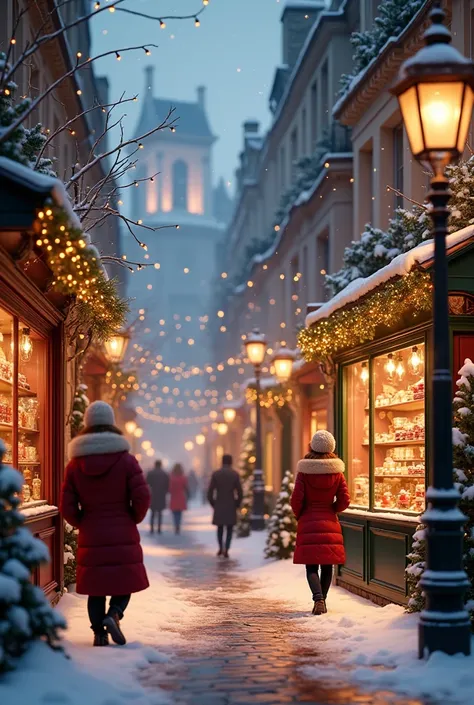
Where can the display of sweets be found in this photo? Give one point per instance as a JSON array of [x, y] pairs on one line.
[[387, 499], [26, 451], [418, 389], [36, 484], [6, 413], [26, 493], [22, 382], [361, 490], [419, 502], [28, 413], [404, 499], [8, 456]]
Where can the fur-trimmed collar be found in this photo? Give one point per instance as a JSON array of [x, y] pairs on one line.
[[97, 444], [325, 466]]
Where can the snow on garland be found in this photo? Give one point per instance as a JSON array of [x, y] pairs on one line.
[[392, 18], [282, 527], [353, 325], [246, 467], [463, 461], [25, 612]]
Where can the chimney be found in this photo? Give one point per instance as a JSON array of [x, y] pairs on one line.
[[251, 127], [201, 97], [297, 19], [149, 81]]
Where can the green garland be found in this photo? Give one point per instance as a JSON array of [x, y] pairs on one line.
[[76, 271], [356, 324]]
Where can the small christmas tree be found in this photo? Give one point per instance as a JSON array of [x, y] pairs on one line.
[[461, 183], [70, 552], [281, 538], [463, 463], [80, 404], [246, 467], [25, 613]]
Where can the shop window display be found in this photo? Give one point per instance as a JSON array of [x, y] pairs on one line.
[[22, 402], [356, 384], [399, 430]]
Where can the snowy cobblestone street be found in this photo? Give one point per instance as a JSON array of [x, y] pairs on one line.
[[253, 651]]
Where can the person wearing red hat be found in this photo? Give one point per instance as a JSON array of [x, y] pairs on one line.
[[320, 494]]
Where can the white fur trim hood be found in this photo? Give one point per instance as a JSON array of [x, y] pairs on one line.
[[97, 444], [324, 466]]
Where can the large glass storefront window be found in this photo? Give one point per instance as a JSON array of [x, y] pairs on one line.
[[356, 384], [23, 403], [396, 413]]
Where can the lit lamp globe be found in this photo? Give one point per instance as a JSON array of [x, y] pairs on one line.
[[116, 346], [200, 439], [222, 428], [283, 361], [138, 432], [435, 92], [229, 414], [130, 427], [255, 347], [189, 445]]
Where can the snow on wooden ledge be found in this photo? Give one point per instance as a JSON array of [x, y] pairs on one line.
[[400, 266], [37, 510], [392, 516]]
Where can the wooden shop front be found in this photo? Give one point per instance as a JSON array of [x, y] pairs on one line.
[[382, 415], [32, 363]]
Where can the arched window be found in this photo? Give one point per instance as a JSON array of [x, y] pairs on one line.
[[180, 185]]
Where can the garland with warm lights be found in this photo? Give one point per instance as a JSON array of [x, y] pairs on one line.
[[121, 383], [77, 272], [357, 324], [276, 395]]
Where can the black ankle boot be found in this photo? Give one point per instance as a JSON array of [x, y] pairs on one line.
[[101, 638], [112, 624]]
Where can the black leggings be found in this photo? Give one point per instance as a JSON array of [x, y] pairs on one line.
[[228, 538], [319, 586], [96, 609], [159, 515]]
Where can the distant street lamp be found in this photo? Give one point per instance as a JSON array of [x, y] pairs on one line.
[[222, 428], [435, 93], [116, 346], [130, 427], [138, 432], [189, 445], [283, 360], [229, 414], [200, 439], [256, 346]]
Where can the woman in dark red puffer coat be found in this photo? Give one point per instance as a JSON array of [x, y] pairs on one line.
[[320, 494], [105, 495]]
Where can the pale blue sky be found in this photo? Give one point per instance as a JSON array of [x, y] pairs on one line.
[[234, 53]]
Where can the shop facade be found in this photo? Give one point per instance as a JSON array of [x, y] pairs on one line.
[[32, 365], [382, 422]]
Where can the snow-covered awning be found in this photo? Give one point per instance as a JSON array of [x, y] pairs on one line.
[[400, 266]]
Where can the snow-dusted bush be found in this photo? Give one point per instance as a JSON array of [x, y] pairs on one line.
[[463, 462], [79, 406], [69, 554], [392, 18], [282, 527], [25, 612], [246, 467]]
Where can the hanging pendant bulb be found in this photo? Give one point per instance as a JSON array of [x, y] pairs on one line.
[[400, 368], [26, 345], [390, 366], [364, 373], [415, 361]]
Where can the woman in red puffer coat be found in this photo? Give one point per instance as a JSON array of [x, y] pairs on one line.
[[320, 494], [105, 495], [179, 494]]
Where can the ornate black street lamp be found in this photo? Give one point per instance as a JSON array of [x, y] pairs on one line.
[[435, 93], [283, 360], [256, 347]]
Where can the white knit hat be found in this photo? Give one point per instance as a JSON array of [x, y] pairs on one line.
[[323, 442], [99, 413]]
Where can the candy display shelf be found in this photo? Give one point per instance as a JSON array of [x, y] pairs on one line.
[[6, 386], [23, 429], [418, 442]]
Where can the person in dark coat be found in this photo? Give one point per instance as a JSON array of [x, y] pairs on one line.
[[225, 496], [320, 494], [105, 495], [159, 483]]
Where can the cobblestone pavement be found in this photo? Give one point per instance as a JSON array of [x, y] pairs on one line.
[[250, 654]]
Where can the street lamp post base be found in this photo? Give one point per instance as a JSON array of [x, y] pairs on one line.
[[451, 640], [257, 523]]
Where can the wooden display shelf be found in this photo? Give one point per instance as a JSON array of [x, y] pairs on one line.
[[398, 443], [414, 405], [23, 429], [28, 462], [408, 477], [6, 386]]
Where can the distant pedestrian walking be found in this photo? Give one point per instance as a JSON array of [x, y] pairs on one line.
[[159, 483], [105, 495], [320, 494], [225, 496], [193, 484], [179, 494]]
